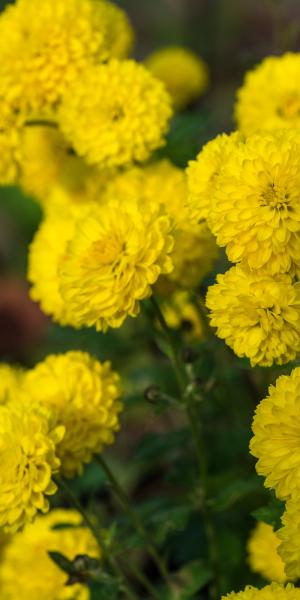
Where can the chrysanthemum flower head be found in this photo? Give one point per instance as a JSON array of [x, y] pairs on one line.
[[263, 554], [204, 171], [255, 210], [115, 113], [9, 150], [84, 396], [289, 536], [28, 440], [258, 315], [48, 44], [28, 551], [274, 591], [183, 72], [180, 313], [269, 97], [275, 441], [111, 263]]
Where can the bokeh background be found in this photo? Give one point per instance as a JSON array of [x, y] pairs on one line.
[[232, 36]]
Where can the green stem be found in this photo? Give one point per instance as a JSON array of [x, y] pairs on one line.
[[134, 518], [110, 560], [41, 123], [188, 400]]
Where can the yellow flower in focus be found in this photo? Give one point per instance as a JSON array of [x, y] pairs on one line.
[[203, 173], [10, 379], [263, 554], [270, 97], [184, 74], [255, 210], [180, 313], [257, 315], [275, 441], [115, 114], [273, 591], [26, 569], [28, 440], [112, 261], [83, 394], [46, 45], [289, 549]]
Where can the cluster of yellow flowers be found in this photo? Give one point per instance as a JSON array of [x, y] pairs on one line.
[[53, 419], [246, 186]]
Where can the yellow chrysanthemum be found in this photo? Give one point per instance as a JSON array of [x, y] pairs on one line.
[[180, 313], [256, 314], [10, 379], [273, 591], [26, 569], [28, 440], [255, 210], [270, 95], [9, 150], [263, 554], [46, 46], [289, 549], [184, 74], [115, 114], [162, 182], [203, 173], [112, 261], [84, 397], [276, 429]]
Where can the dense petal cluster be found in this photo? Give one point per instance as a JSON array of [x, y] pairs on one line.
[[204, 171], [269, 97], [263, 554], [274, 591], [84, 396], [289, 535], [115, 113], [255, 211], [258, 315], [46, 45], [276, 429], [111, 263], [184, 74], [9, 150], [28, 440], [27, 571]]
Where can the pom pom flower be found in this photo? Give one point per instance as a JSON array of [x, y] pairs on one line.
[[255, 210], [28, 550], [111, 264], [275, 441], [263, 554], [184, 74], [83, 394], [115, 113], [289, 535], [274, 591], [269, 97], [204, 171], [28, 440], [257, 315]]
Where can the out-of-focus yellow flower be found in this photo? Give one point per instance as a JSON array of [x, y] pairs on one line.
[[115, 114], [26, 569], [113, 259], [28, 440], [274, 591], [180, 313], [263, 554], [46, 45], [289, 549], [10, 379], [275, 428], [270, 97], [255, 209], [256, 314], [84, 396], [120, 35], [9, 150], [203, 173], [183, 72]]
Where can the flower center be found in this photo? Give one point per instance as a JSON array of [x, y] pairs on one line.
[[274, 197], [289, 107], [106, 251]]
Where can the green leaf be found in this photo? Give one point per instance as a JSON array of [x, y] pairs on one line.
[[170, 519], [233, 492], [271, 513], [188, 581], [62, 562]]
